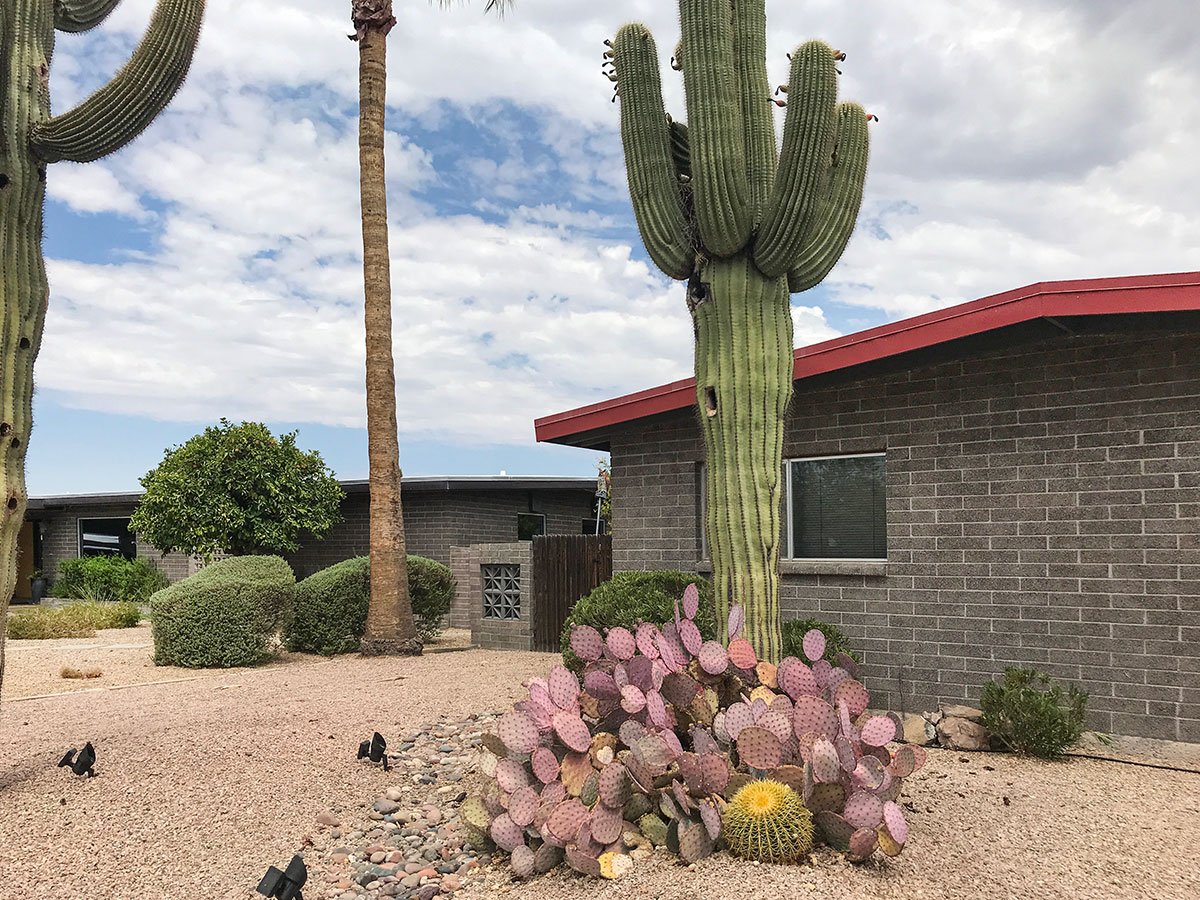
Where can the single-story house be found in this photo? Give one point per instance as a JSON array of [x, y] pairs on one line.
[[1013, 481], [439, 513]]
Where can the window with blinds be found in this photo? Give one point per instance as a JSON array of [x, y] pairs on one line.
[[838, 507]]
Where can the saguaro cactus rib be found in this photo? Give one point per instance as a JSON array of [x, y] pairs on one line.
[[118, 112], [29, 139], [73, 16], [834, 221], [717, 139], [750, 46], [808, 136], [646, 134], [743, 385]]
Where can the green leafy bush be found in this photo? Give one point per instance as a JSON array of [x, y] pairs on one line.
[[431, 589], [1029, 713], [835, 642], [108, 578], [330, 610], [629, 597], [79, 619], [227, 614]]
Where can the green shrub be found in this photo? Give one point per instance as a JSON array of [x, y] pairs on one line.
[[227, 614], [79, 619], [1028, 713], [835, 642], [431, 587], [629, 597], [108, 578], [330, 611]]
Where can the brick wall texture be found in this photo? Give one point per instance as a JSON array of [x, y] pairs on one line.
[[1043, 505], [434, 521], [492, 634]]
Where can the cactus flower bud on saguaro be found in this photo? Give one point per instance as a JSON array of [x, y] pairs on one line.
[[744, 225], [30, 139]]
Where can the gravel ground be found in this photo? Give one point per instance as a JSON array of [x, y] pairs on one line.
[[204, 783], [124, 657]]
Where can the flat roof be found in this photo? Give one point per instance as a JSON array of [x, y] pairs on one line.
[[415, 483], [1044, 300]]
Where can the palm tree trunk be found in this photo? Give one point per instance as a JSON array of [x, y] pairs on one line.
[[390, 627]]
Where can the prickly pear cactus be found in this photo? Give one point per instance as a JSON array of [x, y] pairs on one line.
[[30, 139], [744, 226], [719, 749]]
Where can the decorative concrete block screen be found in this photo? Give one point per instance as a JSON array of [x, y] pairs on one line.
[[493, 594], [515, 596]]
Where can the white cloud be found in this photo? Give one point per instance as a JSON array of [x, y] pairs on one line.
[[1019, 141]]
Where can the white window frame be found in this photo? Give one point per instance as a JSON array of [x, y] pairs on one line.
[[791, 543]]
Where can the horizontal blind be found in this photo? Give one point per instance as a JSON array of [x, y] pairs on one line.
[[839, 508]]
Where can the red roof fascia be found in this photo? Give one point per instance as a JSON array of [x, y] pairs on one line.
[[1085, 297]]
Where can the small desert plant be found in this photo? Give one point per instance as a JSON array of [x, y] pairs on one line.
[[630, 597], [835, 642], [108, 578], [79, 619], [1029, 713], [227, 614], [767, 820]]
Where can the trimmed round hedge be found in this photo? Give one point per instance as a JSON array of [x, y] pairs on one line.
[[329, 615], [225, 615], [630, 597]]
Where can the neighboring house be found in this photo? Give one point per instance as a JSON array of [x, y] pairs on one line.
[[439, 513], [1009, 482]]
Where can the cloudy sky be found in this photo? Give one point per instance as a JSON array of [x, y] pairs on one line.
[[212, 268]]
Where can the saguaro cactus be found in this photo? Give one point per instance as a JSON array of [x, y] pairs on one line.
[[718, 206], [30, 139]]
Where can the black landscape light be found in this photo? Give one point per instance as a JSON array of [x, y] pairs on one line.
[[375, 750], [80, 761], [285, 885]]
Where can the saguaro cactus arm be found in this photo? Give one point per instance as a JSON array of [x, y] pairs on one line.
[[73, 16], [121, 110], [654, 185], [750, 43], [808, 136], [718, 153], [835, 219]]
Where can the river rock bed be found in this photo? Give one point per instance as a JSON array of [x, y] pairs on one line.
[[407, 842]]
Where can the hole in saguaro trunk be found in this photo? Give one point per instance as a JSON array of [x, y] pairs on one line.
[[24, 343], [16, 442], [5, 428], [12, 502], [710, 401], [3, 180]]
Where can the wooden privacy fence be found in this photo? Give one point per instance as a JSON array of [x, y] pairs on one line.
[[565, 567]]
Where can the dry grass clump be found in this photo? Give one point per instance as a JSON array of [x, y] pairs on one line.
[[72, 672], [79, 619]]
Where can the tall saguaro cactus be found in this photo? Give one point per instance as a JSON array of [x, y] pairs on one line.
[[30, 139], [745, 225]]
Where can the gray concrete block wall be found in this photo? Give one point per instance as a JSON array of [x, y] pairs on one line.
[[499, 634], [60, 539], [1043, 509]]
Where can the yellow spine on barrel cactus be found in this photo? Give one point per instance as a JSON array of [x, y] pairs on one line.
[[767, 820]]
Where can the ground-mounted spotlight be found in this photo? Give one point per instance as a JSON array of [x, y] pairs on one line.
[[80, 761], [285, 885], [375, 750]]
